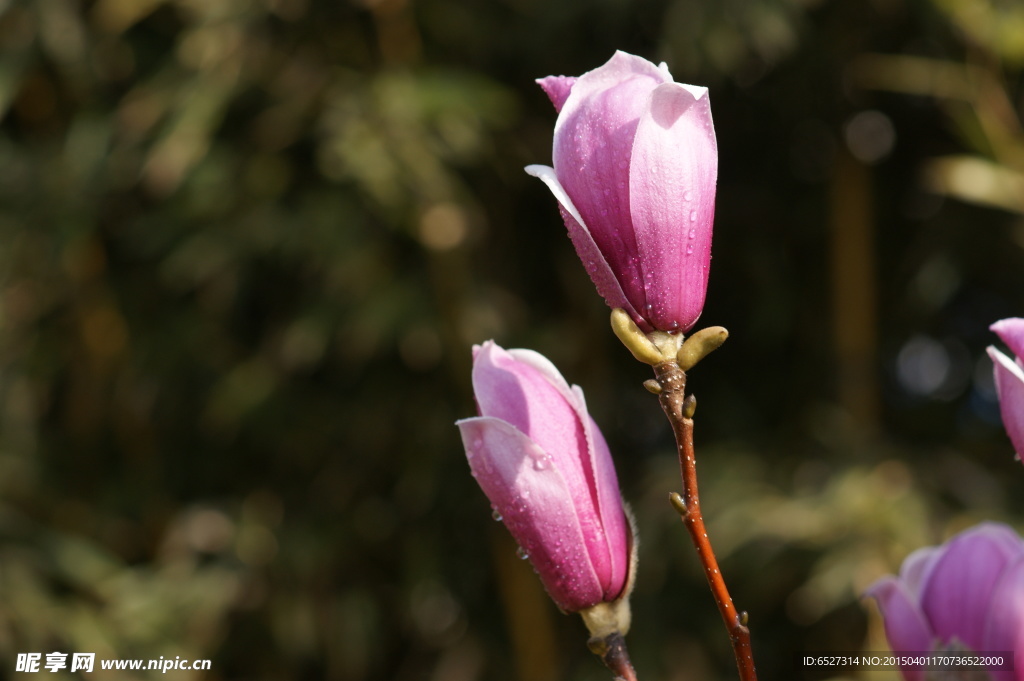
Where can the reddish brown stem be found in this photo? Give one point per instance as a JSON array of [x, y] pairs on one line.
[[612, 651], [679, 411]]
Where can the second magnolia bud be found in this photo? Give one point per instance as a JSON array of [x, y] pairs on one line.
[[544, 465]]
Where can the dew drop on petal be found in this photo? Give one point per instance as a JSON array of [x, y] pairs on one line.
[[688, 195], [541, 463], [693, 216], [521, 552], [495, 514], [689, 249], [693, 234]]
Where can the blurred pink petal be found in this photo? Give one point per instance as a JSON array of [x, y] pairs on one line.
[[1009, 379], [905, 625], [967, 592], [1005, 630], [959, 587]]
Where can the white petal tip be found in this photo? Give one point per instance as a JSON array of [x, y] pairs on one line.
[[538, 170]]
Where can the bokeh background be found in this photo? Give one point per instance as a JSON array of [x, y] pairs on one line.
[[246, 245]]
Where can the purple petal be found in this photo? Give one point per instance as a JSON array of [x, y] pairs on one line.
[[672, 177], [1010, 386], [916, 567], [557, 88], [594, 262], [608, 503], [592, 146], [535, 503], [961, 582], [1005, 630], [524, 389], [1011, 332], [905, 625], [526, 398]]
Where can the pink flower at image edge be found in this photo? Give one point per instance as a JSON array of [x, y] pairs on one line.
[[1009, 378], [967, 594]]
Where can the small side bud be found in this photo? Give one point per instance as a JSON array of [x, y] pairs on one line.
[[634, 339], [689, 406], [700, 345], [652, 386], [678, 504]]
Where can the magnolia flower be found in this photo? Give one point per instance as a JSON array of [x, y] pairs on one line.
[[1010, 379], [542, 462], [967, 594], [635, 167]]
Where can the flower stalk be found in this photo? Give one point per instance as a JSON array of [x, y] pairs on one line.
[[669, 384], [679, 409]]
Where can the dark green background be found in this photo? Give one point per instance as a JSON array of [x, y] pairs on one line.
[[246, 245]]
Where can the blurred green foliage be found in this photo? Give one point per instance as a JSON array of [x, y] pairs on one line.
[[245, 246]]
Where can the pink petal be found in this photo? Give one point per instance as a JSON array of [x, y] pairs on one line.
[[594, 262], [525, 398], [916, 567], [960, 584], [1011, 332], [592, 145], [557, 88], [608, 504], [672, 177], [524, 389], [1005, 629], [1010, 386], [535, 503], [905, 625]]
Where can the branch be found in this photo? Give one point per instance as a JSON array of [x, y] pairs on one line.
[[679, 409]]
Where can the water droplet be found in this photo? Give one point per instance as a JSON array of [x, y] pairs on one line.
[[689, 249], [693, 216], [478, 443], [693, 234], [541, 463], [688, 195], [495, 514], [521, 552]]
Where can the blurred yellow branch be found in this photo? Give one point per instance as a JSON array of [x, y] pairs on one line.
[[977, 180]]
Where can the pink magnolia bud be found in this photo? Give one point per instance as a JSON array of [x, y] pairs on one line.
[[541, 460], [1010, 379], [635, 167], [966, 594]]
